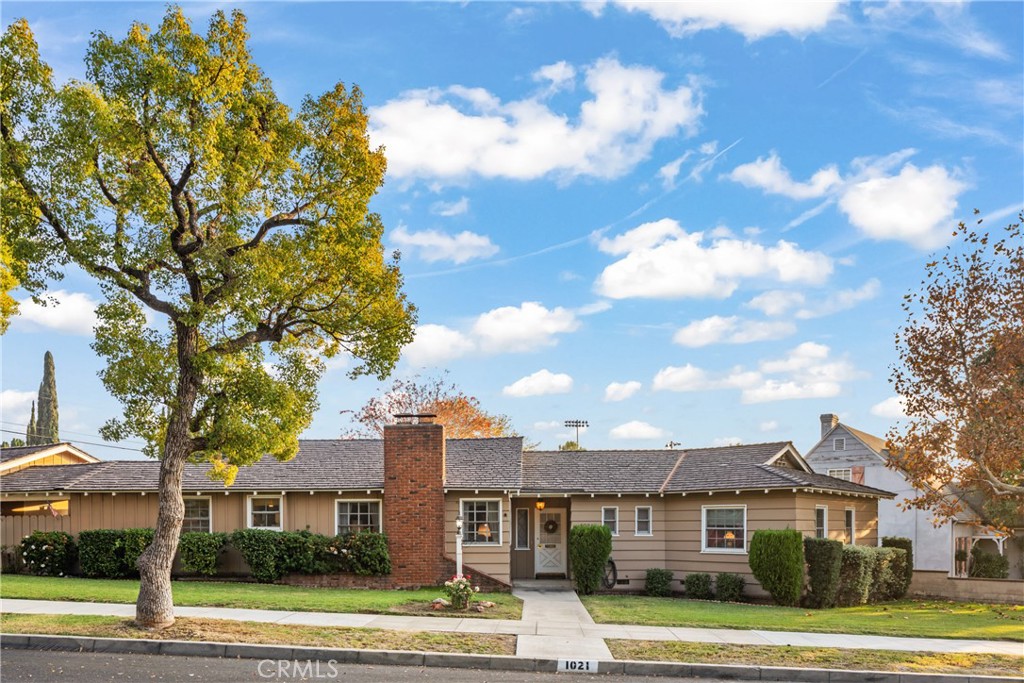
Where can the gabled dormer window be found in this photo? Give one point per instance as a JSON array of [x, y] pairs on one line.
[[839, 444]]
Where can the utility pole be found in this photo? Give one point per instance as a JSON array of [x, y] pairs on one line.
[[577, 424]]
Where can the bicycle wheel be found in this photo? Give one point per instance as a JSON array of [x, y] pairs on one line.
[[611, 575]]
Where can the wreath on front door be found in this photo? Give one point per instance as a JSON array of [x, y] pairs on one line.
[[551, 526]]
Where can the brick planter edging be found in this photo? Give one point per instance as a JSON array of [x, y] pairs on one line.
[[28, 641]]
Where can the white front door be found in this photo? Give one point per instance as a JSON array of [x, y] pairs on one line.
[[550, 537]]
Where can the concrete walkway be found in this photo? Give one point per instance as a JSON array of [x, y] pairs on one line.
[[549, 616]]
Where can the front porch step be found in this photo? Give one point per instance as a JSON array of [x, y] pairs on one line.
[[543, 584]]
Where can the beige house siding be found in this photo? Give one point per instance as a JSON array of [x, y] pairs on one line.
[[865, 516], [50, 460], [633, 554], [493, 560]]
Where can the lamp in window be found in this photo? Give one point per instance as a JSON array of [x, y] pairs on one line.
[[540, 504], [730, 536], [484, 530]]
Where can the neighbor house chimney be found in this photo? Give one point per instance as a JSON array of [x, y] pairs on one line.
[[414, 453], [828, 421]]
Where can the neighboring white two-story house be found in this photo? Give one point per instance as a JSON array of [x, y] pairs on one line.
[[848, 453]]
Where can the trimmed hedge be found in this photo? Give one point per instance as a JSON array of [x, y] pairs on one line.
[[590, 545], [198, 551], [882, 574], [824, 560], [272, 554], [777, 562], [729, 587], [261, 549], [48, 553], [988, 565], [896, 587], [365, 553], [698, 586], [855, 575], [658, 583], [101, 553], [908, 565], [135, 542]]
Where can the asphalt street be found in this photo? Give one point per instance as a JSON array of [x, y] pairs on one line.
[[90, 667]]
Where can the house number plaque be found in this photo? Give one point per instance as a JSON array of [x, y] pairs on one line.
[[578, 665]]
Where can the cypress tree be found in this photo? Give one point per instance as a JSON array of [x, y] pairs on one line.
[[30, 431], [46, 426]]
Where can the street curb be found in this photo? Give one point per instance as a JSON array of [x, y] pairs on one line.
[[193, 648]]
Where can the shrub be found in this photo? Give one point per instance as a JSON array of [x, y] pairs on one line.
[[698, 586], [908, 565], [135, 542], [10, 559], [882, 576], [824, 560], [261, 550], [590, 545], [988, 565], [729, 587], [658, 583], [855, 575], [48, 553], [777, 561], [101, 553], [460, 591], [198, 551], [304, 552], [368, 554], [897, 586]]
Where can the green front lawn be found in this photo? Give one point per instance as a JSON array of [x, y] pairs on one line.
[[916, 618], [253, 596]]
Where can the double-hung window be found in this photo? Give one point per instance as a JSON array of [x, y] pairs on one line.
[[724, 529], [357, 515], [644, 525], [610, 518], [845, 473], [481, 522], [197, 515], [265, 512], [821, 521], [851, 527]]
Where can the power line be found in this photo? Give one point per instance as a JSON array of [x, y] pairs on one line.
[[68, 431], [88, 443]]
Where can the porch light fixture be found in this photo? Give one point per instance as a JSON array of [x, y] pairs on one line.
[[540, 504], [458, 524]]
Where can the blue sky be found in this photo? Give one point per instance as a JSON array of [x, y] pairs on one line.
[[688, 222]]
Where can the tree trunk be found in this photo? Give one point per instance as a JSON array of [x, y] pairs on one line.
[[154, 608]]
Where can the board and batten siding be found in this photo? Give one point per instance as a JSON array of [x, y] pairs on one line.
[[633, 554], [493, 560]]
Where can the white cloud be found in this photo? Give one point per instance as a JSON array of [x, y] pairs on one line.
[[594, 308], [752, 18], [731, 330], [637, 430], [16, 407], [457, 132], [547, 426], [892, 408], [540, 383], [527, 327], [448, 209], [433, 245], [435, 344], [912, 205], [776, 302], [807, 371], [768, 426], [620, 391], [660, 260], [558, 76], [68, 312], [726, 441]]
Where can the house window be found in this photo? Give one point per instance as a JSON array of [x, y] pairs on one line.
[[839, 444], [265, 512], [643, 522], [846, 474], [725, 529], [851, 529], [522, 528], [610, 518], [821, 521], [357, 515], [197, 515], [481, 522]]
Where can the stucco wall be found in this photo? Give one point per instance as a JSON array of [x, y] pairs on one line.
[[938, 584]]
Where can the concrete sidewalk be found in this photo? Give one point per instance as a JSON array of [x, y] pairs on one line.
[[546, 614]]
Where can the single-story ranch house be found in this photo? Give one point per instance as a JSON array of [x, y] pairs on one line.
[[687, 510]]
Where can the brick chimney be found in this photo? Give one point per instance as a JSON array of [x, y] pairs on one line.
[[828, 421], [414, 453]]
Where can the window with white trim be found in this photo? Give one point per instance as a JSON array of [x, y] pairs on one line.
[[265, 512], [839, 443], [610, 518], [724, 528], [845, 473], [644, 525], [197, 515], [481, 522], [851, 527], [821, 521], [354, 516], [522, 528]]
